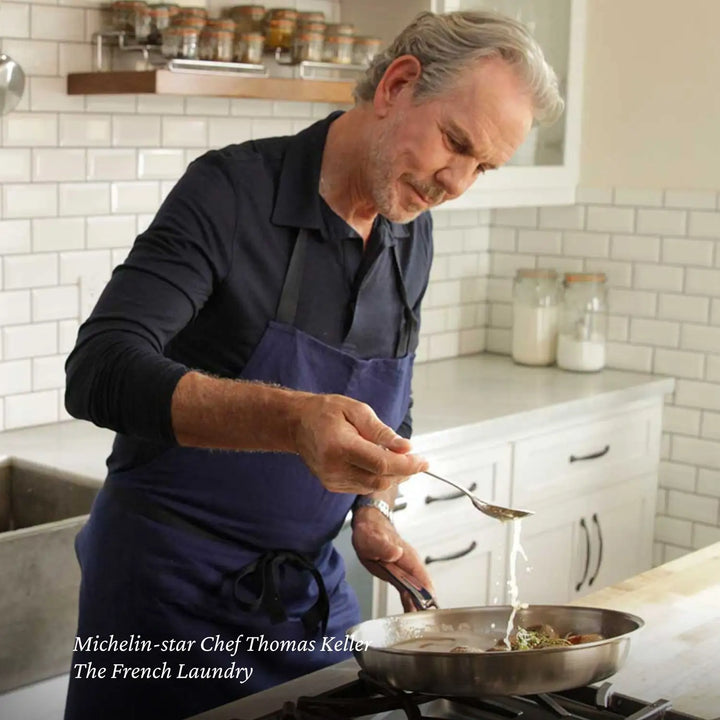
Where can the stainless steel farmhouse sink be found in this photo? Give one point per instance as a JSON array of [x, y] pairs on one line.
[[41, 511]]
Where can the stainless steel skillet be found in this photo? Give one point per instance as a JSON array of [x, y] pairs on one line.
[[387, 649]]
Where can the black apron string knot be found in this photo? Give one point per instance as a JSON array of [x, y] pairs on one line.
[[267, 569]]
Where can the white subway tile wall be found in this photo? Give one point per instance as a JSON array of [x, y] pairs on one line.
[[660, 250], [81, 176]]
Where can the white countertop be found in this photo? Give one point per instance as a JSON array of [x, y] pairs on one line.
[[483, 393]]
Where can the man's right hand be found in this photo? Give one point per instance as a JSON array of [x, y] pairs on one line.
[[341, 440], [348, 448]]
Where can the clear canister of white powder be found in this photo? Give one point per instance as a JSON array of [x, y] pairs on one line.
[[536, 295]]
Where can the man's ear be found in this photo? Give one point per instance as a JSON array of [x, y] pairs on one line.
[[401, 76]]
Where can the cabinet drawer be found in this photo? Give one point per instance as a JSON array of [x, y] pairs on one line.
[[586, 456], [429, 502], [467, 567]]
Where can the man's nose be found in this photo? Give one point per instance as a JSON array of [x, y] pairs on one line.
[[456, 177]]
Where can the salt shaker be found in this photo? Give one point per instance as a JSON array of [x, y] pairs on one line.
[[536, 295], [583, 323]]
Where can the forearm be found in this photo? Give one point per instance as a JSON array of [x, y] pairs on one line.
[[235, 415]]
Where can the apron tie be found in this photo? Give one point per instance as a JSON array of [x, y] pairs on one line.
[[267, 568]]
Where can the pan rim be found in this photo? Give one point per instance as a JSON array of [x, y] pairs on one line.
[[637, 620]]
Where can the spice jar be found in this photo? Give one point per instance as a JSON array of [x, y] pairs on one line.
[[171, 42], [216, 45], [345, 29], [181, 42], [365, 49], [249, 48], [305, 18], [307, 46], [124, 13], [191, 17], [282, 14], [338, 49], [249, 18], [536, 295], [150, 22], [583, 323], [279, 34]]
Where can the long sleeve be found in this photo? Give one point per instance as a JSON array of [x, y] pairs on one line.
[[118, 375]]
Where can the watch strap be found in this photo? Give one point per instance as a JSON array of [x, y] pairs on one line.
[[381, 505]]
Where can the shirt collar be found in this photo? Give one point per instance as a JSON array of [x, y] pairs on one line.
[[297, 203]]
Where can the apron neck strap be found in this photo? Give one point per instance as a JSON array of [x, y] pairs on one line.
[[290, 295], [410, 322]]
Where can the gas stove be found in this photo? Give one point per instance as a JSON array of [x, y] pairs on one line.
[[368, 698]]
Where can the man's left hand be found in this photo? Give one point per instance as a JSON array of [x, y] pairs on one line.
[[375, 538]]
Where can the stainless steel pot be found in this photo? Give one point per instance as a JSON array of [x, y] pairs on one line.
[[475, 673]]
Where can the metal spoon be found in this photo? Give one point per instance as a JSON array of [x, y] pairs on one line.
[[12, 84], [494, 511]]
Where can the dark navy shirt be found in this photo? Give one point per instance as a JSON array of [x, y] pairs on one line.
[[202, 282]]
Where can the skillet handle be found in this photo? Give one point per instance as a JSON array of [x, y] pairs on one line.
[[420, 596]]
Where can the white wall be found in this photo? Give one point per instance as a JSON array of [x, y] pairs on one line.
[[652, 101], [648, 214], [81, 176]]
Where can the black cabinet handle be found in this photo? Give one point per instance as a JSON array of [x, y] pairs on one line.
[[596, 522], [450, 496], [592, 456], [584, 526], [400, 505], [452, 556]]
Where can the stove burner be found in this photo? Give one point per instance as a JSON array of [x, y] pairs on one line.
[[370, 698]]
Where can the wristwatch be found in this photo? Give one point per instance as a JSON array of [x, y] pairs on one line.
[[381, 505]]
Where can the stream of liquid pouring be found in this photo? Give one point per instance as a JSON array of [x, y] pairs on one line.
[[515, 550]]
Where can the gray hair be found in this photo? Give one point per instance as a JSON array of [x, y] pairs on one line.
[[445, 44]]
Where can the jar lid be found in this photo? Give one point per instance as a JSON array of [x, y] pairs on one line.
[[282, 24], [310, 16], [537, 273], [340, 39], [312, 26], [221, 24], [289, 13], [194, 11], [367, 41], [129, 4], [585, 277], [252, 37], [185, 30]]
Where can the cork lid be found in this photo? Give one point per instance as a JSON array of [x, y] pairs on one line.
[[585, 277]]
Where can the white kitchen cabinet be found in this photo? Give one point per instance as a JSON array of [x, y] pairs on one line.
[[588, 542], [545, 169], [590, 478]]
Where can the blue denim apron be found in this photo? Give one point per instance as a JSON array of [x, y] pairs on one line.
[[184, 554]]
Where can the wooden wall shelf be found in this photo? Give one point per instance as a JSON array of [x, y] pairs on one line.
[[164, 82]]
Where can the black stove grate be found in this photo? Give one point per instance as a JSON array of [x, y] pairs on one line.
[[368, 698]]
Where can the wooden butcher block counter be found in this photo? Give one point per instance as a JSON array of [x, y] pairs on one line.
[[677, 654]]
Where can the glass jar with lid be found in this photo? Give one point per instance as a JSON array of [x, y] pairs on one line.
[[181, 42], [307, 46], [249, 18], [279, 34], [582, 331], [249, 48], [346, 29], [338, 49], [365, 49], [124, 13], [191, 17], [216, 44], [150, 22], [536, 298]]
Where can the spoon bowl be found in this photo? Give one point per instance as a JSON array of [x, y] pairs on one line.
[[494, 511]]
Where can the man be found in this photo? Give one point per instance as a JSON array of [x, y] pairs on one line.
[[254, 354]]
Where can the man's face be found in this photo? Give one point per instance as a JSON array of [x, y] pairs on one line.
[[428, 152]]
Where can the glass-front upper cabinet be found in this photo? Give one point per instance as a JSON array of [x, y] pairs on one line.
[[545, 168]]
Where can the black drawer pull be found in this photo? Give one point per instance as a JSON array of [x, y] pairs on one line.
[[600, 549], [450, 496], [400, 505], [583, 525], [593, 456], [452, 556]]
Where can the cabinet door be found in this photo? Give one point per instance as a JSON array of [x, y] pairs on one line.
[[556, 547], [467, 570], [620, 521]]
